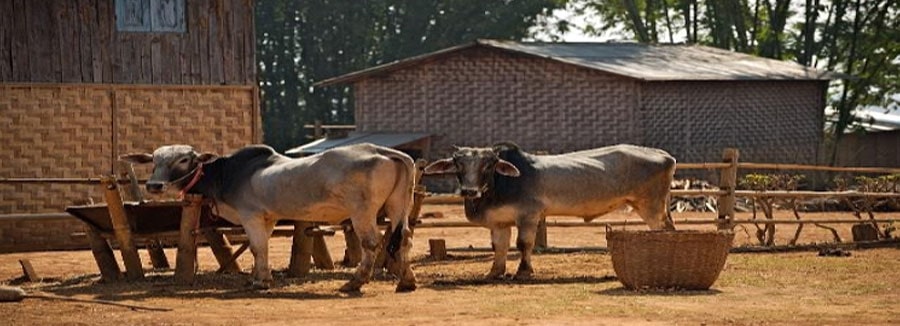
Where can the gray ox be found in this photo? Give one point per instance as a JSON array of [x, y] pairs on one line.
[[255, 187], [505, 186]]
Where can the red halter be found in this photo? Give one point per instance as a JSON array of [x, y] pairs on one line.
[[197, 174]]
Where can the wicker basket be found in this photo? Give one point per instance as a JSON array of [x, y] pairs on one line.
[[690, 260]]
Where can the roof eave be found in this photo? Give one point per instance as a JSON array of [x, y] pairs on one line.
[[391, 66]]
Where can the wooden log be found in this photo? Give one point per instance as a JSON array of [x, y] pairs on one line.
[[222, 250], [301, 251], [186, 261], [122, 230], [320, 253], [727, 182], [352, 251], [157, 254], [437, 249], [28, 271], [103, 255]]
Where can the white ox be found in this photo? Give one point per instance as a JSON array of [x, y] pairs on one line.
[[255, 187], [505, 186]]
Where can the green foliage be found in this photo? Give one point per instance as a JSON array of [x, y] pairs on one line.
[[303, 42], [762, 182]]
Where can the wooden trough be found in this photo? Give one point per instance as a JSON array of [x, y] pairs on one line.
[[149, 222]]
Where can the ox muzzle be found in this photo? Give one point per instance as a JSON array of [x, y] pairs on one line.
[[471, 192], [156, 187]]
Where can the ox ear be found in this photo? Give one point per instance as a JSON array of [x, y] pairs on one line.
[[207, 157], [137, 158], [505, 168], [441, 167]]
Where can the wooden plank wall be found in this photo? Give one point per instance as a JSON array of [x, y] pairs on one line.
[[75, 41]]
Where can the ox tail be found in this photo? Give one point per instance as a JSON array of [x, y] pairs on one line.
[[396, 240], [402, 194]]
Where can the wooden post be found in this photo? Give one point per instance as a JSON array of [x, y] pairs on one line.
[[437, 248], [301, 251], [320, 253], [221, 248], [157, 254], [122, 229], [317, 130], [186, 261], [132, 191], [728, 182], [353, 251], [103, 255], [540, 240]]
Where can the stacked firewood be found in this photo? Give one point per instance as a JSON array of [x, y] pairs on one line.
[[692, 203]]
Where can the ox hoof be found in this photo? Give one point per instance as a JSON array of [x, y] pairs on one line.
[[260, 285], [523, 275], [402, 288], [351, 287], [495, 276]]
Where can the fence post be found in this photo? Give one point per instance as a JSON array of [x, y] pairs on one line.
[[727, 182]]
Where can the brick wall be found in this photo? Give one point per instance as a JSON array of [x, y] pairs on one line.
[[481, 97], [76, 131]]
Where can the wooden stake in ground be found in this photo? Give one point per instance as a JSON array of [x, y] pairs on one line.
[[28, 270]]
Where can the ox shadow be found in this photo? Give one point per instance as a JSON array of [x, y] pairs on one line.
[[206, 286], [626, 292], [453, 284]]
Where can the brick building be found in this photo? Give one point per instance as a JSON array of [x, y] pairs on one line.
[[557, 97]]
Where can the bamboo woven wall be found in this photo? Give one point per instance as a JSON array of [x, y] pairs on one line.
[[769, 121], [482, 97], [76, 131]]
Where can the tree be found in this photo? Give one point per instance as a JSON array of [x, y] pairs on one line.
[[302, 42]]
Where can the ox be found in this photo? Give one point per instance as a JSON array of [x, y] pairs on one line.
[[255, 186], [505, 186]]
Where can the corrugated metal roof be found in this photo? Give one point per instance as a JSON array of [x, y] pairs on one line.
[[385, 139], [661, 62]]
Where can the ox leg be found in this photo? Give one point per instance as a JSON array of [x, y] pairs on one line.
[[258, 231], [500, 242], [525, 243], [407, 276], [369, 240]]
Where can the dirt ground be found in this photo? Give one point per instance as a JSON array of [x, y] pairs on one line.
[[577, 288]]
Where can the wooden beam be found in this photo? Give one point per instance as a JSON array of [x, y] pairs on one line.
[[157, 254], [221, 248], [122, 229], [186, 261], [103, 255]]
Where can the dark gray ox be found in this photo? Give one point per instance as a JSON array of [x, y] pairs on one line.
[[255, 187], [505, 186]]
